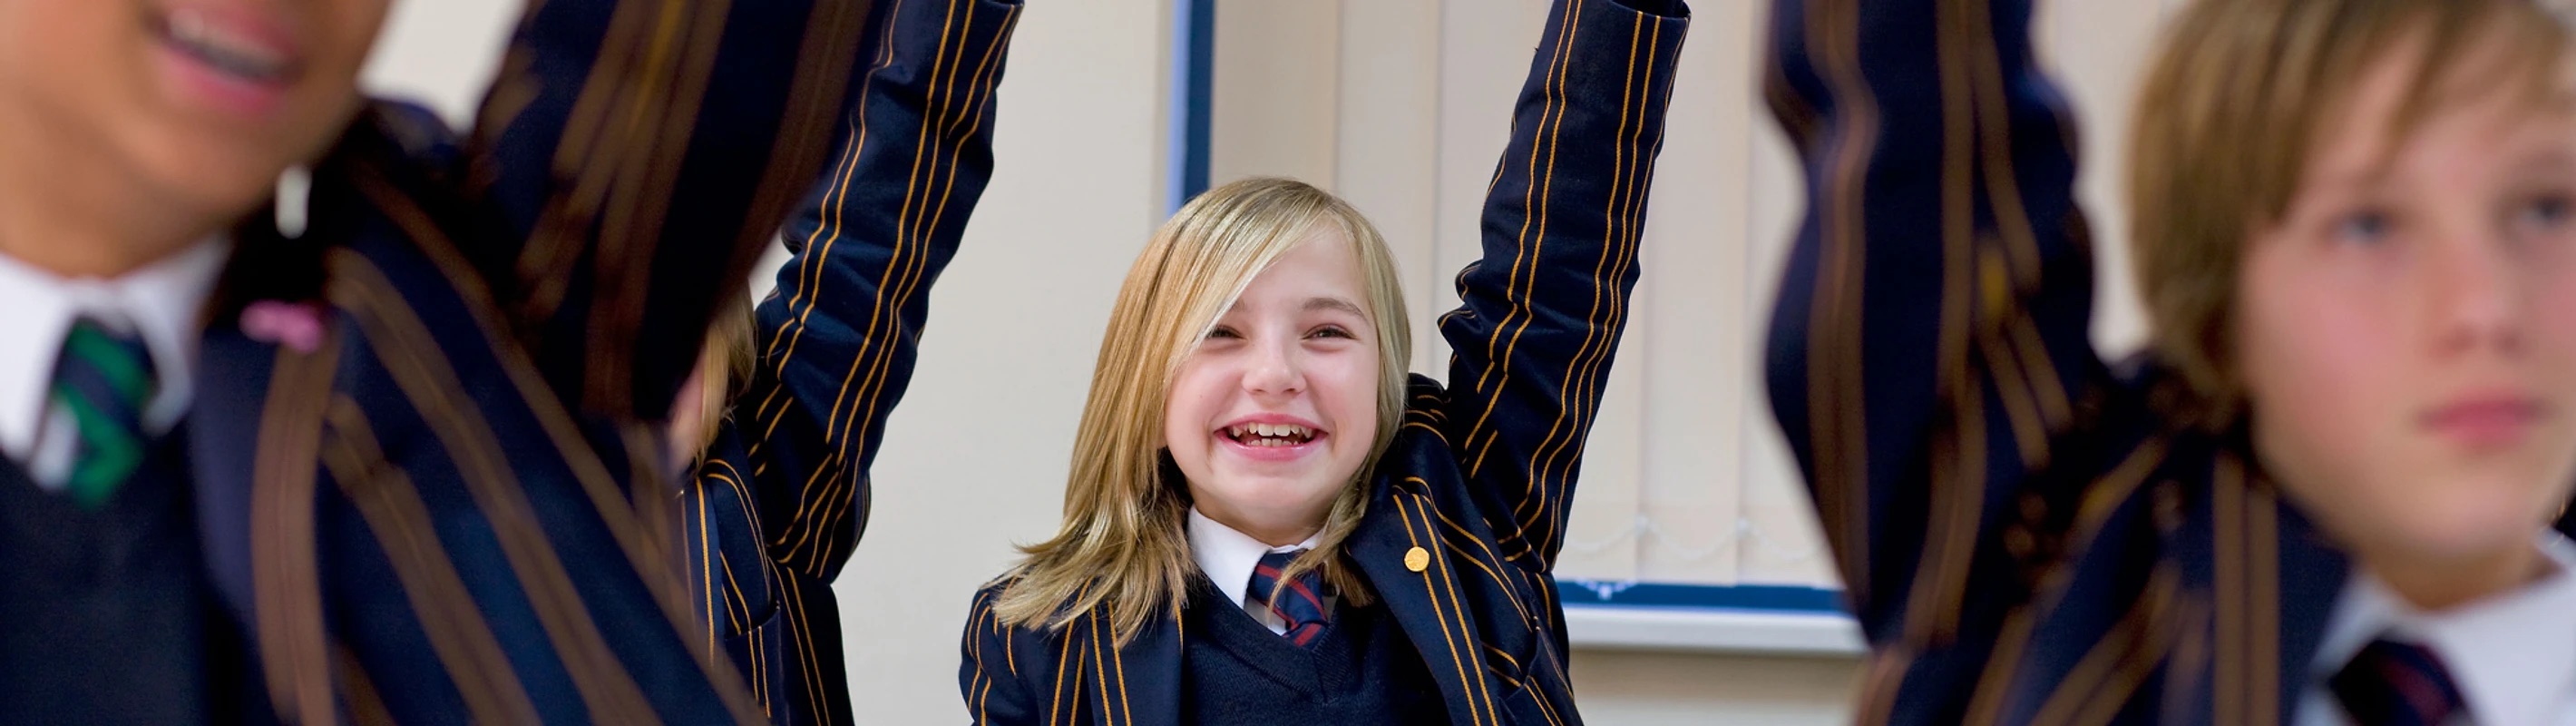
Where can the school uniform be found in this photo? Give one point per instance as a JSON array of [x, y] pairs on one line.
[[1466, 510], [2023, 537], [425, 456], [111, 619], [779, 501]]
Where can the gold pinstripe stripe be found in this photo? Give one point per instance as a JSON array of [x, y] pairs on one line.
[[1510, 593], [616, 318], [844, 486], [405, 531], [1879, 689], [1541, 183], [2003, 664], [1056, 699], [421, 371], [809, 269], [1536, 505], [547, 244], [2227, 515], [2109, 674], [557, 423], [1583, 377], [985, 80], [750, 631], [802, 528], [808, 669], [1642, 175], [2185, 691], [366, 703], [654, 506], [2021, 405], [1953, 370], [2101, 499], [2263, 560], [979, 685], [1839, 436], [2043, 375], [1464, 660], [1110, 706], [1995, 128], [545, 266], [814, 97], [707, 572], [285, 568]]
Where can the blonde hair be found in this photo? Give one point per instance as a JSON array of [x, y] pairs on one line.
[[2227, 119], [1123, 547], [724, 368]]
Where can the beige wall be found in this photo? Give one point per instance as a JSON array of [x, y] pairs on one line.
[[1399, 105]]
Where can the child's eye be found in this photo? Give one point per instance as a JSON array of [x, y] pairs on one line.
[[2368, 227], [2544, 213], [1222, 333], [1331, 331]]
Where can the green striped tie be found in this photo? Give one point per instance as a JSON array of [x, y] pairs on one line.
[[104, 380]]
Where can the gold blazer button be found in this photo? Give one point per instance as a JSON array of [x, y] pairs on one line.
[[1417, 559]]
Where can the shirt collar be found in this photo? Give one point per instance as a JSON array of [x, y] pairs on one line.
[[161, 301], [2512, 655], [1228, 556]]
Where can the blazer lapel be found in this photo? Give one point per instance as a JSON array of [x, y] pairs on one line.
[[1143, 677], [1384, 547], [233, 374], [2312, 580]]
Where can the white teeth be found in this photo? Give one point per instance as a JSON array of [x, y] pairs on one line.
[[224, 50], [1267, 434]]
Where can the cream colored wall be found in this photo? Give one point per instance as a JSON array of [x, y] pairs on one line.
[[1360, 90]]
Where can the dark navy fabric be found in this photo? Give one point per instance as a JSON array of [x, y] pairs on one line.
[[456, 508], [1360, 670], [779, 502], [110, 620], [2026, 532], [1475, 485]]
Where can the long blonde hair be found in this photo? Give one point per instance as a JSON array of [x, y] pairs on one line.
[[1123, 546]]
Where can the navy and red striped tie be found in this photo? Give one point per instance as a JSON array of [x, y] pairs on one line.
[[2398, 684], [1301, 605]]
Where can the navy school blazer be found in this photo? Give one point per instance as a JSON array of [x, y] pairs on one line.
[[453, 509], [780, 499], [2023, 536], [1481, 470]]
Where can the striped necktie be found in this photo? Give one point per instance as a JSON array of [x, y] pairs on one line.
[[102, 381], [1302, 606], [2398, 684]]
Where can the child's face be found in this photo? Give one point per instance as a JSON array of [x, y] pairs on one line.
[[1275, 412], [2408, 329], [195, 104]]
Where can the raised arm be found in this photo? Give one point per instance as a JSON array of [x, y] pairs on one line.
[[1540, 313], [632, 159], [1930, 338], [836, 342]]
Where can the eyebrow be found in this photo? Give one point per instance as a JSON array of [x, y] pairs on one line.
[[1333, 303]]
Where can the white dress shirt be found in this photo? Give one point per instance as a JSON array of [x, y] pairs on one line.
[[160, 303], [2512, 655], [1228, 557]]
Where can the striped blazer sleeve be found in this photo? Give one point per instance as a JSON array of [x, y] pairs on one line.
[[837, 340], [988, 671], [629, 163], [1931, 332], [1540, 313]]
